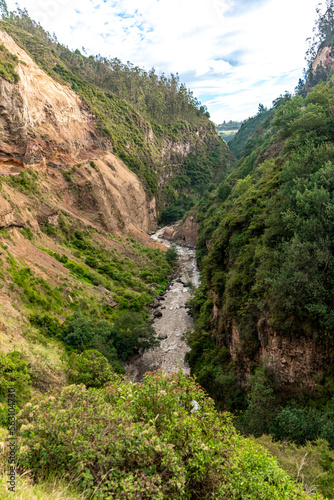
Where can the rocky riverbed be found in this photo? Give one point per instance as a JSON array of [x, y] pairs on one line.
[[171, 318]]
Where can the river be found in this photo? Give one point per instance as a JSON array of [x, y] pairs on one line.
[[174, 320]]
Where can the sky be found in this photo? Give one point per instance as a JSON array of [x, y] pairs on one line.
[[233, 54]]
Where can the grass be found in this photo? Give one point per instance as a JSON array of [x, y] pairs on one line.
[[311, 466], [54, 489], [8, 63]]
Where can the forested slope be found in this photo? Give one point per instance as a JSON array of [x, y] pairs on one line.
[[267, 259]]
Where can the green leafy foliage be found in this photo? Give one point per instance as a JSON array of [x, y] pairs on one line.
[[90, 368], [311, 465], [266, 251], [261, 405], [14, 374], [244, 136], [159, 439], [129, 333], [306, 424], [8, 63]]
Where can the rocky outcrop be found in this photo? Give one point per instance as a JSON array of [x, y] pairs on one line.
[[324, 57], [185, 233], [295, 362], [39, 113], [44, 126]]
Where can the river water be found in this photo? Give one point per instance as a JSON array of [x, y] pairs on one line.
[[174, 320]]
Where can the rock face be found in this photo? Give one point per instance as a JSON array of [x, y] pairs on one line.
[[185, 234], [294, 361], [324, 57], [38, 110], [44, 126]]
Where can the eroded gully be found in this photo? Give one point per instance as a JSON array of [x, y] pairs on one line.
[[174, 320]]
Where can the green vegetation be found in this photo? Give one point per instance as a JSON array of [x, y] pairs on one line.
[[311, 465], [244, 141], [26, 181], [14, 373], [90, 368], [266, 252], [8, 63], [130, 333], [132, 285], [146, 440], [100, 304], [171, 254]]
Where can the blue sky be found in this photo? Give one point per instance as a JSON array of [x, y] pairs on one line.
[[233, 54]]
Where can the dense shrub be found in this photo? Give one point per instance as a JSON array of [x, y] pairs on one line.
[[14, 374], [129, 333], [90, 368], [160, 439]]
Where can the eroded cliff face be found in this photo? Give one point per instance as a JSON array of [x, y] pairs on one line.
[[44, 126], [295, 361], [323, 57], [39, 115]]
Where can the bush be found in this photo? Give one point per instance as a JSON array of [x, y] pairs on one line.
[[146, 441], [13, 374], [171, 254], [90, 368]]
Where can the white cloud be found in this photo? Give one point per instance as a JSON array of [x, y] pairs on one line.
[[232, 53]]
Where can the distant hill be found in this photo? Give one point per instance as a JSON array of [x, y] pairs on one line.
[[227, 130]]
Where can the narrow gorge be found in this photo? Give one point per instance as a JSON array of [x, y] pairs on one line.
[[170, 314], [136, 376]]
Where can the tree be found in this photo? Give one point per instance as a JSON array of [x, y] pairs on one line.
[[300, 88], [261, 404], [90, 368], [261, 109], [131, 333], [4, 14]]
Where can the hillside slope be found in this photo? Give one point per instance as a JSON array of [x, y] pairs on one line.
[[265, 247], [152, 123]]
